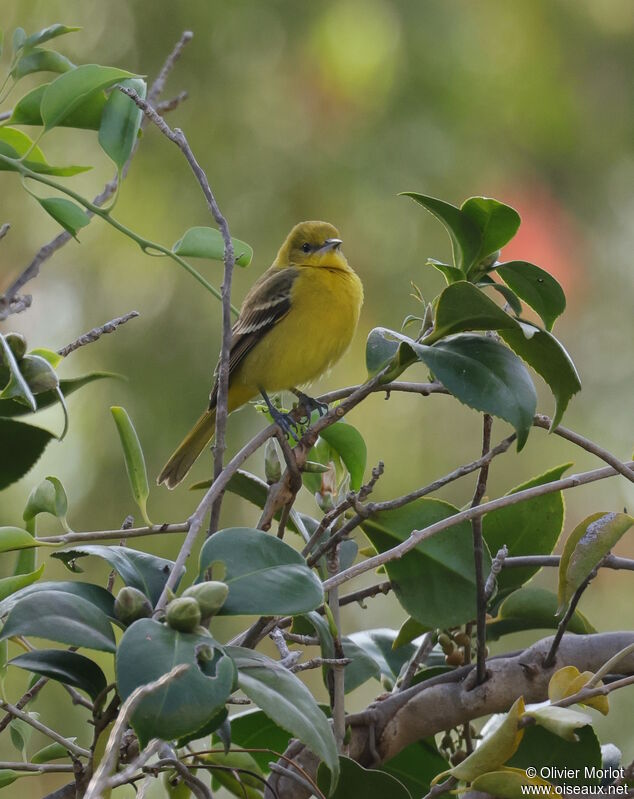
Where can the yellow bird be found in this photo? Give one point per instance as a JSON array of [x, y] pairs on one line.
[[296, 321]]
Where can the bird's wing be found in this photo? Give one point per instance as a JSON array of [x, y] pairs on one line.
[[268, 301]]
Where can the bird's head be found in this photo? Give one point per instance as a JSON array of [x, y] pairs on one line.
[[312, 244]]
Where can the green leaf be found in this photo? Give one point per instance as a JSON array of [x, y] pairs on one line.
[[59, 616], [41, 61], [531, 527], [21, 732], [435, 581], [95, 594], [348, 443], [486, 376], [265, 576], [362, 668], [497, 223], [48, 497], [416, 766], [70, 216], [148, 650], [354, 780], [286, 700], [410, 629], [461, 307], [509, 295], [46, 34], [18, 39], [52, 357], [70, 90], [452, 273], [14, 538], [17, 387], [7, 776], [547, 356], [253, 729], [238, 772], [384, 346], [55, 751], [379, 645], [9, 585], [536, 287], [16, 144], [121, 121], [541, 747], [66, 667], [586, 546], [531, 608], [561, 721], [134, 460], [26, 444], [11, 408], [87, 115], [147, 573], [207, 242], [39, 374], [463, 232]]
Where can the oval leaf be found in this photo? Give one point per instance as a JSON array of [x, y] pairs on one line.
[[70, 90], [46, 34], [86, 115], [531, 608], [58, 616], [48, 497], [41, 61], [265, 576], [66, 667], [17, 387], [134, 460], [121, 121], [497, 223], [70, 216], [26, 444], [148, 650], [287, 701], [11, 408], [95, 594], [348, 443], [14, 538], [207, 242], [536, 287], [9, 585]]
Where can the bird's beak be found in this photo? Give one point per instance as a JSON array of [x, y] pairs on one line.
[[331, 244]]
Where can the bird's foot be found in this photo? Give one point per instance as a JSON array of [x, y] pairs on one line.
[[311, 404], [284, 421]]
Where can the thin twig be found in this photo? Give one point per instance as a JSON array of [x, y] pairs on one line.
[[496, 567], [97, 333], [23, 701], [105, 535], [425, 647], [78, 751], [590, 692], [478, 553], [99, 782], [41, 768], [416, 536], [336, 672], [521, 561], [441, 787]]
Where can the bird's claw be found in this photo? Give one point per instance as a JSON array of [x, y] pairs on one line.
[[286, 423], [311, 404]]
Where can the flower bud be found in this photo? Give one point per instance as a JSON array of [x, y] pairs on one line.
[[455, 658], [210, 596], [446, 644], [272, 462], [17, 344], [183, 614], [131, 605], [462, 639]]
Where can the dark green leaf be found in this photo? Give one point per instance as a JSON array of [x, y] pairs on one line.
[[7, 776], [264, 575], [70, 216], [51, 32], [48, 497], [532, 609], [87, 115], [73, 88], [536, 287], [461, 307], [379, 645], [9, 585], [416, 766], [387, 346], [550, 751], [95, 594], [10, 408], [485, 376], [148, 650], [17, 387], [509, 295], [120, 122], [207, 242], [253, 729], [147, 573], [362, 668], [497, 223], [66, 667], [286, 700], [452, 273], [528, 528], [59, 616], [463, 232], [409, 630], [39, 374], [41, 61], [134, 460], [435, 581], [546, 355], [354, 780], [26, 444], [348, 443]]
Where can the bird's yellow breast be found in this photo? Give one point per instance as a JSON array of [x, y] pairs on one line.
[[314, 334]]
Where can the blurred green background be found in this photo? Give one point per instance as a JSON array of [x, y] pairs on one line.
[[327, 110]]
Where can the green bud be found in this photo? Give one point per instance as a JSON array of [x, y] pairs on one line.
[[210, 596], [131, 605], [272, 462], [17, 344], [183, 614]]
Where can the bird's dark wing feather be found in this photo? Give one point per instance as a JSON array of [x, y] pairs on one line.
[[268, 301]]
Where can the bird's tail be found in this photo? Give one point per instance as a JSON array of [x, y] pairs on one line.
[[188, 450]]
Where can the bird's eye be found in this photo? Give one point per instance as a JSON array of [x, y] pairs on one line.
[[306, 247]]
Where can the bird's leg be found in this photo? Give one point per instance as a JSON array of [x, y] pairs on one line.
[[283, 420], [310, 403]]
